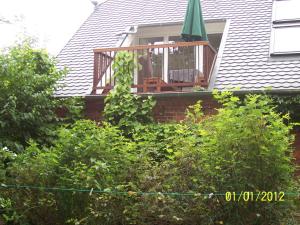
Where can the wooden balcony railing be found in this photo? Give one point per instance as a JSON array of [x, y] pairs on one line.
[[165, 67]]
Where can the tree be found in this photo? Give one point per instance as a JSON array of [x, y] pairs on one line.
[[28, 79]]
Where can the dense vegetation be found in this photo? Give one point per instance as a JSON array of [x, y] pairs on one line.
[[131, 170], [27, 107]]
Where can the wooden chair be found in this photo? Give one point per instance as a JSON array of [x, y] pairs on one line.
[[154, 83]]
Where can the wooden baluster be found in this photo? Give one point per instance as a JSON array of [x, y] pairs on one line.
[[114, 78], [101, 69], [95, 73], [205, 62], [158, 79], [110, 63], [183, 66], [104, 68], [200, 57], [134, 68]]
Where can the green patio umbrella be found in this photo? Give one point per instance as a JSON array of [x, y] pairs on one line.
[[193, 26]]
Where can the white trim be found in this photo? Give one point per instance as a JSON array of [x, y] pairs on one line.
[[212, 79], [199, 58], [166, 61], [135, 74], [180, 23], [272, 41], [272, 38]]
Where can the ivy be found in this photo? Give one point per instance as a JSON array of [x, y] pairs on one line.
[[288, 104], [122, 108]]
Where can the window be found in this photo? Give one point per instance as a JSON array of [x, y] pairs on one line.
[[155, 68], [157, 62], [151, 40], [214, 39], [286, 27], [287, 39], [181, 57], [286, 10]]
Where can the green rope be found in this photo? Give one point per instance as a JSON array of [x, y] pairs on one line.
[[130, 193], [50, 189]]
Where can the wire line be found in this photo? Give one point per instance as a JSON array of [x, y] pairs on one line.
[[130, 193]]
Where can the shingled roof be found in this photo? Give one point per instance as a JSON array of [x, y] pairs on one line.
[[245, 62]]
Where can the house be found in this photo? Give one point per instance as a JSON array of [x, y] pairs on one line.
[[253, 45]]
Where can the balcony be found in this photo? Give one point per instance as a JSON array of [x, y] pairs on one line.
[[175, 67]]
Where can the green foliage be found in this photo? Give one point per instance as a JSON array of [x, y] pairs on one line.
[[8, 214], [123, 108], [85, 157], [179, 173], [288, 104], [161, 142], [194, 113], [246, 146], [28, 79], [73, 108]]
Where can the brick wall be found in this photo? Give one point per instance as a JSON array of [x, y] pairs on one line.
[[174, 108], [297, 146], [94, 108], [297, 151], [166, 108]]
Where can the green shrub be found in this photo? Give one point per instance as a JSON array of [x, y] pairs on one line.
[[84, 157], [180, 176], [245, 147], [28, 79], [248, 147], [160, 173]]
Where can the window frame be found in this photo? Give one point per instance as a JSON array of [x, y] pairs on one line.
[[281, 24]]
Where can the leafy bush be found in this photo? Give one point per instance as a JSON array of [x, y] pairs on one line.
[[248, 147], [84, 157], [28, 79], [245, 147]]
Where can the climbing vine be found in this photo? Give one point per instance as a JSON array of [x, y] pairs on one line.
[[122, 107]]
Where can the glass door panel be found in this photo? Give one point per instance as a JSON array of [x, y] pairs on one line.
[[182, 63], [151, 60]]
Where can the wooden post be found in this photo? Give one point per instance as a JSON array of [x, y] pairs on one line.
[[96, 73]]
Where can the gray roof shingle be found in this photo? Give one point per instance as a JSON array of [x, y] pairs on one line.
[[245, 63]]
